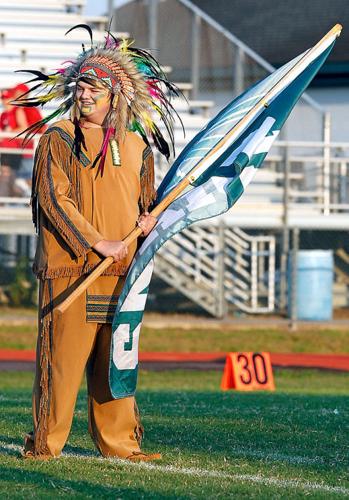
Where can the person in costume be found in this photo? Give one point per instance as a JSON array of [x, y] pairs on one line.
[[93, 182]]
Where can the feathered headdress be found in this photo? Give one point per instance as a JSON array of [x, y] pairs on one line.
[[131, 74]]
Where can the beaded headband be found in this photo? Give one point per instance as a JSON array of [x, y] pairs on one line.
[[110, 73]]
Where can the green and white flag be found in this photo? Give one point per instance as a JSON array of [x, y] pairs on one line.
[[228, 157]]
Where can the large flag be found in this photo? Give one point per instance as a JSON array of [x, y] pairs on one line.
[[221, 161]]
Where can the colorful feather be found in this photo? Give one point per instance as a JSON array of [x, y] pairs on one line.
[[85, 27], [143, 84]]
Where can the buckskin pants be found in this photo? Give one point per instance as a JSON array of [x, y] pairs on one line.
[[66, 345]]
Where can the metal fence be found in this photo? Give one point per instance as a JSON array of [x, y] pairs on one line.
[[303, 176]]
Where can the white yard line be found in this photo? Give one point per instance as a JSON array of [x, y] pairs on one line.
[[10, 447], [205, 473], [275, 456], [245, 478]]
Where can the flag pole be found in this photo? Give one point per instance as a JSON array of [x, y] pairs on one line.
[[197, 170], [128, 240]]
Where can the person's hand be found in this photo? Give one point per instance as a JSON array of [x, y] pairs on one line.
[[146, 222], [112, 248]]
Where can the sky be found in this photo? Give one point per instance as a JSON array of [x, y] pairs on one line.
[[96, 7], [99, 7]]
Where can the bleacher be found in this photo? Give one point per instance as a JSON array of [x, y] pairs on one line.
[[32, 37]]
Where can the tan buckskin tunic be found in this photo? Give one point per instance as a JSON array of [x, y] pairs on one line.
[[79, 208], [74, 207]]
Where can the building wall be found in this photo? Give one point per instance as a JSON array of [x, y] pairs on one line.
[[336, 100]]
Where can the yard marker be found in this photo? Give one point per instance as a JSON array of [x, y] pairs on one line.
[[248, 371]]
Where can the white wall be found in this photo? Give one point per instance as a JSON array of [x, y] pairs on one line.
[[336, 100]]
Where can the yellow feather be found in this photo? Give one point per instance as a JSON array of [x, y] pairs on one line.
[[125, 44], [148, 120]]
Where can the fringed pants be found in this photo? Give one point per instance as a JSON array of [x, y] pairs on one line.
[[66, 345]]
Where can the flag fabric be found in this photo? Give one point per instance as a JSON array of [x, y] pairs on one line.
[[224, 170]]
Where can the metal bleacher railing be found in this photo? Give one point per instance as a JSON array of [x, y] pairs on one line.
[[301, 185], [314, 184]]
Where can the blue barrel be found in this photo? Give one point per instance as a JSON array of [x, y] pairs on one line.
[[314, 283]]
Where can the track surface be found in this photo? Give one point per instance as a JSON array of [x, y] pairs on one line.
[[23, 360]]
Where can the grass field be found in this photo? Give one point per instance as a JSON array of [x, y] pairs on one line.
[[292, 443], [288, 444], [177, 339]]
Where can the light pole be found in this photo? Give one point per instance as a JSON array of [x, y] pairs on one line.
[[153, 23], [110, 9]]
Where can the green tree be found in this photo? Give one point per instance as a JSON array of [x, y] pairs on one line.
[[23, 289]]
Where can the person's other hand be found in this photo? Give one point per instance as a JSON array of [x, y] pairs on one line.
[[112, 248], [146, 222]]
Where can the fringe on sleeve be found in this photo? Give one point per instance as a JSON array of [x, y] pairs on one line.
[[52, 148]]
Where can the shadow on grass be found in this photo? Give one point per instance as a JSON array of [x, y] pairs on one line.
[[80, 451], [49, 484], [305, 431]]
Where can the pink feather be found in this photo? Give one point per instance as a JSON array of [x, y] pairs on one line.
[[104, 149]]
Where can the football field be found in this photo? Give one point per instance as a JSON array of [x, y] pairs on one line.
[[292, 443]]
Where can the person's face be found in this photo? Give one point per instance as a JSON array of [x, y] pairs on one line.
[[93, 100]]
